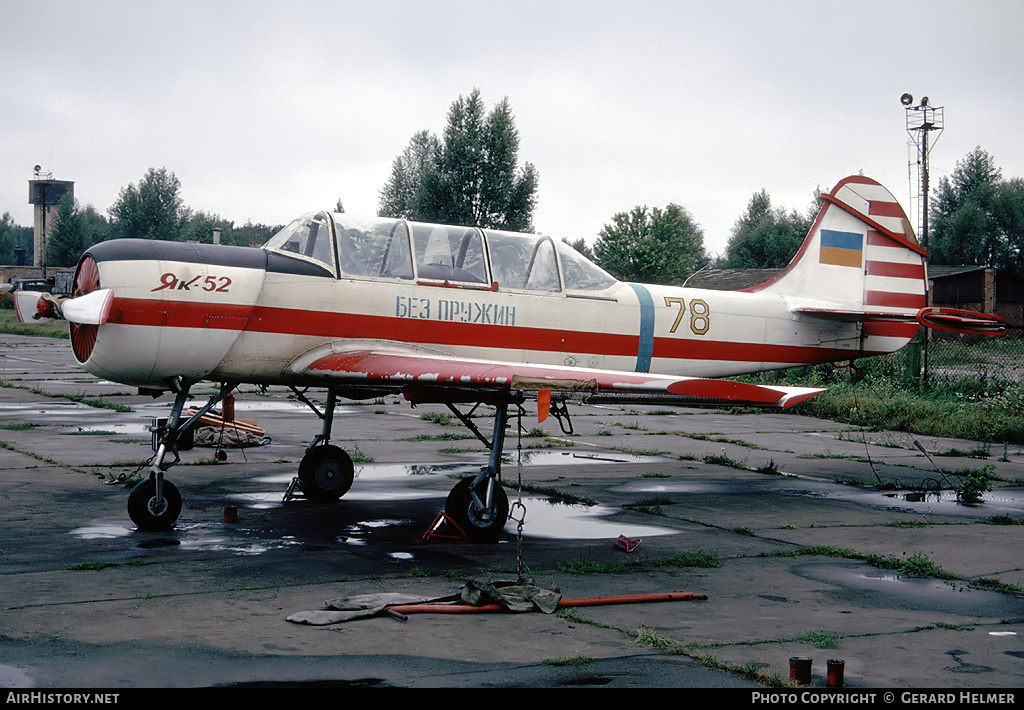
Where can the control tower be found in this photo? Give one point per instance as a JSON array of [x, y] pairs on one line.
[[44, 192]]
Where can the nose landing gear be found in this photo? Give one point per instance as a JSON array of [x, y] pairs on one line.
[[155, 504]]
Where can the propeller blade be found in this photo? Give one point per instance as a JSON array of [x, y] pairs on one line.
[[90, 309]]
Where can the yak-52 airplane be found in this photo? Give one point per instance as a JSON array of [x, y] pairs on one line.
[[463, 316]]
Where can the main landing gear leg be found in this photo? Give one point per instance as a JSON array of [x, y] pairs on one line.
[[479, 505], [325, 472], [155, 504]]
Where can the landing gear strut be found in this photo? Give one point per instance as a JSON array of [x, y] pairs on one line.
[[325, 472], [479, 505], [155, 504]]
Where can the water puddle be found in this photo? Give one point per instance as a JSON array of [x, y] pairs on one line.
[[1007, 497], [555, 457], [262, 500], [248, 406], [82, 383], [282, 405], [359, 534], [384, 481], [236, 540], [546, 518], [101, 531], [135, 429], [48, 408], [373, 482], [14, 677], [1007, 501], [863, 581], [654, 486]]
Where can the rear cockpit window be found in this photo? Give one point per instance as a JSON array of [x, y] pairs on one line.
[[446, 253], [523, 261], [373, 247]]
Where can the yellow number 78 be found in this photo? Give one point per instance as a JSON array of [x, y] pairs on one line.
[[700, 314]]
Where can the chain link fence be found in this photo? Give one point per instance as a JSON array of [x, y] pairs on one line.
[[938, 360]]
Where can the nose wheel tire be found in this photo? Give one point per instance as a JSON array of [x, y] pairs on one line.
[[472, 517], [150, 513], [325, 473]]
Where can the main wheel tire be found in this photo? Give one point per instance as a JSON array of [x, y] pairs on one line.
[[150, 513], [326, 473], [470, 518]]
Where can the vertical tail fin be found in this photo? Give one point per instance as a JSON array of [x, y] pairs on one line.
[[861, 261]]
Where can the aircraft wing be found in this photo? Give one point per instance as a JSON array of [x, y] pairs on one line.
[[432, 377]]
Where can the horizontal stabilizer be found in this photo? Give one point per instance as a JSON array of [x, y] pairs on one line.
[[398, 370], [949, 319], [961, 321], [853, 316]]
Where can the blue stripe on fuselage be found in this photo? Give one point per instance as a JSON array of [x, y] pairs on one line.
[[645, 348]]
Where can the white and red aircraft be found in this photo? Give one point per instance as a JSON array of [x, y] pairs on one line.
[[458, 315]]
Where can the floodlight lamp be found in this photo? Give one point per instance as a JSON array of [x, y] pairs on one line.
[[906, 99]]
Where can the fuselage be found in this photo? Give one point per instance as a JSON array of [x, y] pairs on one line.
[[210, 312]]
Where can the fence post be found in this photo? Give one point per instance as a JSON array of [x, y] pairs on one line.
[[912, 362]]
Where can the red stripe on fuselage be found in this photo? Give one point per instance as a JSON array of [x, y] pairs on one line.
[[287, 321], [686, 349], [290, 321]]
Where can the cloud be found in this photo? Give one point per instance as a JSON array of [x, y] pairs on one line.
[[267, 110]]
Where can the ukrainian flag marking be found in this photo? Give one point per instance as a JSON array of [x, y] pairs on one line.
[[841, 248]]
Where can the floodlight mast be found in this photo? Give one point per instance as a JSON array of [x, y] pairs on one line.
[[922, 120]]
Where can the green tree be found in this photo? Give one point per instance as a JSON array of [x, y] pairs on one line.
[[651, 245], [67, 238], [253, 235], [95, 226], [153, 210], [471, 177], [199, 228], [765, 237], [977, 218], [398, 196], [8, 238], [581, 246], [1009, 215]]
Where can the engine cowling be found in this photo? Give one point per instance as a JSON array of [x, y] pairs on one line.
[[176, 309]]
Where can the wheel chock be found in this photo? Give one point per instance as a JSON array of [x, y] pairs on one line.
[[435, 529], [294, 490]]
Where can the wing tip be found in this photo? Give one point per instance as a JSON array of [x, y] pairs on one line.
[[795, 398]]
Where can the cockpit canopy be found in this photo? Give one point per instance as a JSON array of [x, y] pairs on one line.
[[383, 248]]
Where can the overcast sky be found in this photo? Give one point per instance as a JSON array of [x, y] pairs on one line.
[[266, 110]]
